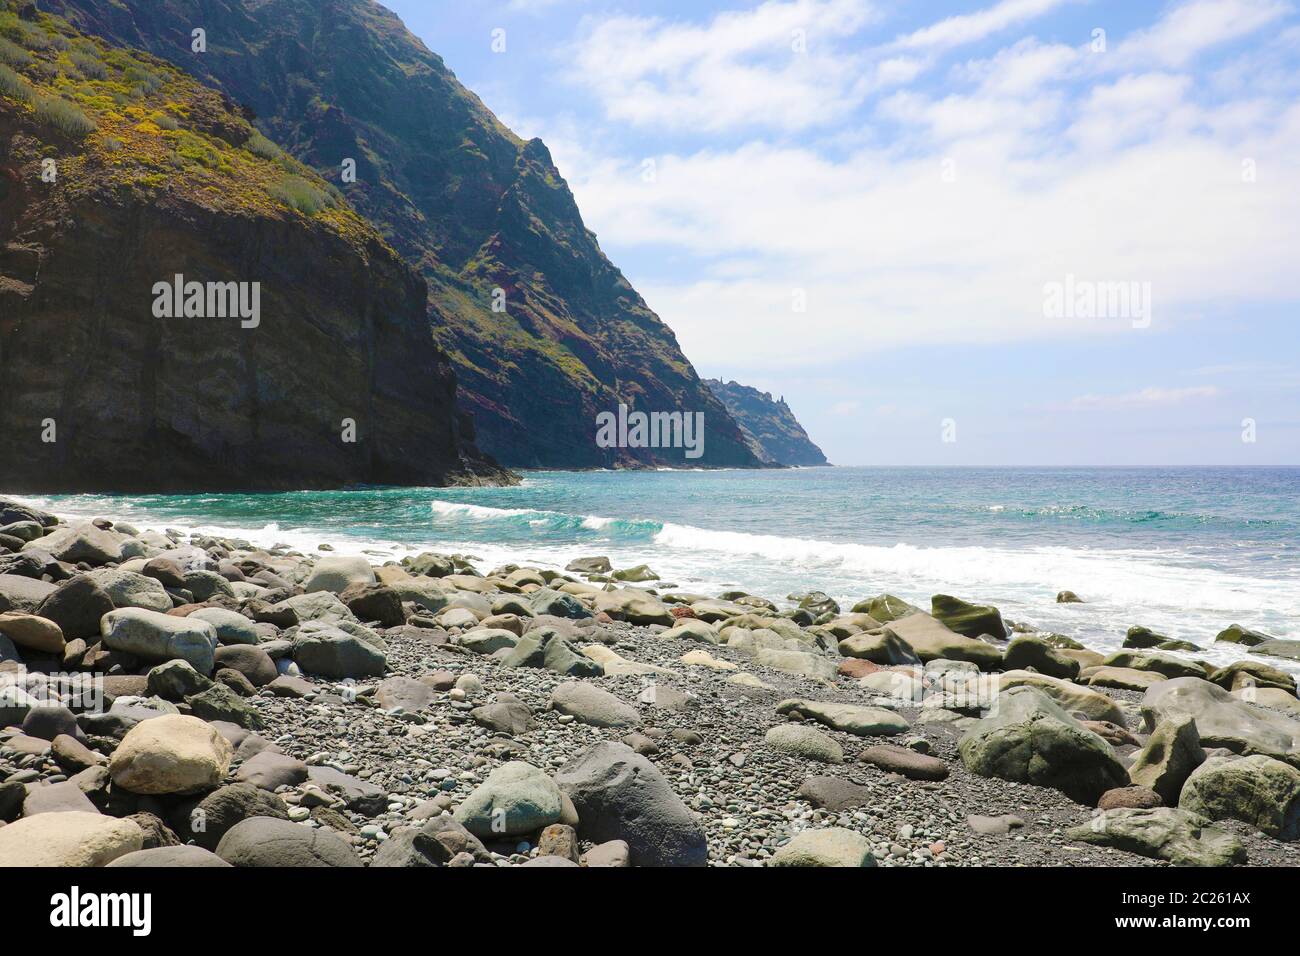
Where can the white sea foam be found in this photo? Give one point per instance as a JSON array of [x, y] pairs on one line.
[[1168, 591]]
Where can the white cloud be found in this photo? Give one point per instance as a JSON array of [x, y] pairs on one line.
[[1191, 28], [779, 65], [1057, 169], [1146, 397], [972, 27]]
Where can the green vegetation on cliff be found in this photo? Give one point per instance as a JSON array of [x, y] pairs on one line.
[[474, 207], [119, 172]]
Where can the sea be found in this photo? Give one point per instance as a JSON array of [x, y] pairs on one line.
[[1184, 551]]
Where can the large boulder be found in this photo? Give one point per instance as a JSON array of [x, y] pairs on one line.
[[620, 795], [337, 574], [829, 846], [546, 648], [1029, 739], [427, 592], [270, 842], [173, 753], [72, 838], [171, 856], [213, 817], [487, 640], [850, 718], [800, 740], [885, 608], [160, 637], [596, 565], [1236, 634], [1163, 833], [400, 692], [1070, 697], [21, 593], [880, 646], [547, 601], [253, 662], [220, 703], [269, 769], [330, 651], [231, 626], [594, 706], [1169, 665], [633, 606], [931, 640], [1287, 650], [1257, 790], [1028, 651], [1223, 720], [436, 842], [175, 680], [127, 589], [1168, 758], [321, 606], [969, 620], [75, 543], [516, 799], [799, 663], [32, 632], [77, 606]]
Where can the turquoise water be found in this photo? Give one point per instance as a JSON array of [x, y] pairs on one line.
[[1185, 551]]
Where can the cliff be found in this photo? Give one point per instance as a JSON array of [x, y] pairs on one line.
[[473, 206], [775, 434], [119, 173]]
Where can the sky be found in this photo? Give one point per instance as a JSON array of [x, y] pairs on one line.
[[999, 232]]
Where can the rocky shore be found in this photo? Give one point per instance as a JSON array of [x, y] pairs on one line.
[[180, 700]]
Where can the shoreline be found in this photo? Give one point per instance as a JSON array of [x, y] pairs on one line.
[[376, 696]]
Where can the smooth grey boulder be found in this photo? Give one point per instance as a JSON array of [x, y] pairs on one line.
[[231, 626], [337, 574], [594, 706], [1223, 720], [171, 856], [269, 769], [545, 648], [77, 606], [79, 542], [1164, 833], [620, 795], [1168, 758], [269, 842], [332, 652], [1257, 790], [20, 593], [160, 637], [516, 799], [253, 662], [1029, 739], [127, 589]]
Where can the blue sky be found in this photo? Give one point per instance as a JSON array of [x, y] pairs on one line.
[[867, 206]]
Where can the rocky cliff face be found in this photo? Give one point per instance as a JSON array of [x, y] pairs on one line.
[[458, 194], [120, 173], [775, 434]]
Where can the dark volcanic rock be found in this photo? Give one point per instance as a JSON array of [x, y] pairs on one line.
[[341, 341]]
